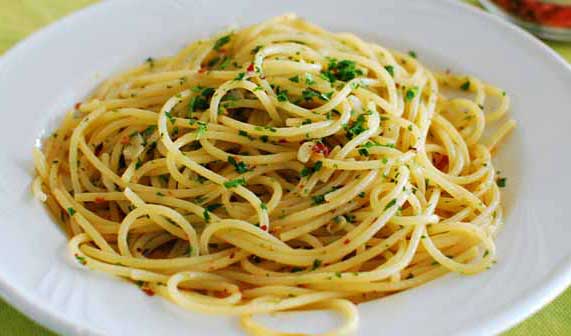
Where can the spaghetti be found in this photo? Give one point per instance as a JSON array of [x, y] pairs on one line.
[[279, 167]]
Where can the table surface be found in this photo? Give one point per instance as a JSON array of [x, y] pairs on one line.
[[20, 18]]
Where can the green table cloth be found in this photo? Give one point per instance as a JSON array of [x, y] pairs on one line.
[[19, 18]]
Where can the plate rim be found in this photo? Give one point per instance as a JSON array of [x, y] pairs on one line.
[[558, 281]]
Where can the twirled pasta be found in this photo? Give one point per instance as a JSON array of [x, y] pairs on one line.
[[279, 167]]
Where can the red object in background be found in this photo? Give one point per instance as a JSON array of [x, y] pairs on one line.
[[541, 12]]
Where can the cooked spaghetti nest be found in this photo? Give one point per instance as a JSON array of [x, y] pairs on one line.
[[279, 167]]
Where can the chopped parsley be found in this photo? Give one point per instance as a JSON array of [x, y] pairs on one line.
[[502, 182], [209, 209], [390, 69], [269, 128], [363, 152], [151, 62], [411, 93], [235, 183], [309, 93], [221, 42], [171, 118], [225, 62], [373, 143], [344, 70], [308, 171], [316, 264], [200, 102], [264, 206], [318, 199], [213, 61], [294, 79], [390, 204], [149, 131], [256, 49], [239, 166], [356, 128], [465, 86], [80, 259], [245, 134], [240, 76], [202, 128], [326, 96], [281, 95], [138, 164], [412, 54], [71, 211]]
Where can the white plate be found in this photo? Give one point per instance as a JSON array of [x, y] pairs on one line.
[[53, 69]]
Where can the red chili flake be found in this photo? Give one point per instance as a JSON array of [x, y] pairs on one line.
[[264, 227], [347, 241], [80, 259], [250, 67], [77, 106], [440, 161], [202, 70], [125, 140], [99, 200], [282, 141], [320, 148], [232, 255], [148, 291], [222, 294]]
